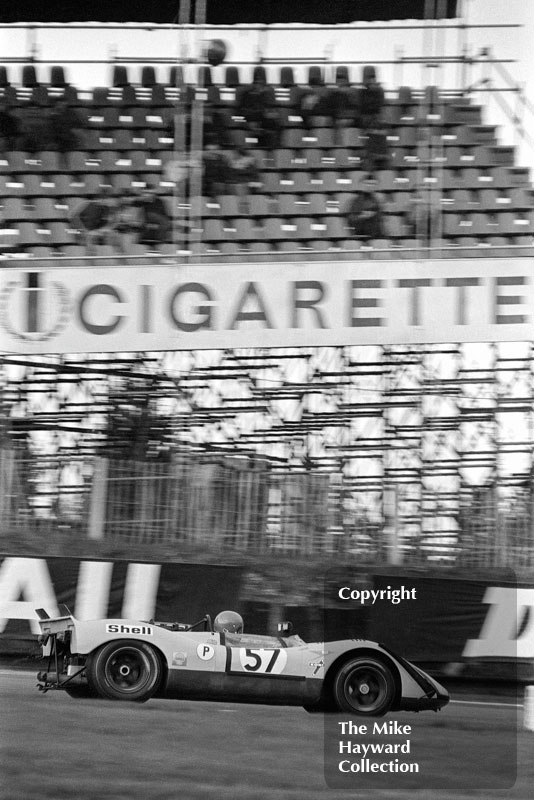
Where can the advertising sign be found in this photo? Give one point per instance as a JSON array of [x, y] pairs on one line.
[[75, 309]]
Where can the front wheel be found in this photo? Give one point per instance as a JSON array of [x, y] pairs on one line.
[[364, 686], [125, 670]]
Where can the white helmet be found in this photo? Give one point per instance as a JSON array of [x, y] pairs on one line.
[[228, 622]]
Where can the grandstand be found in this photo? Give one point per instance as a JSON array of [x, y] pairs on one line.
[[400, 450]]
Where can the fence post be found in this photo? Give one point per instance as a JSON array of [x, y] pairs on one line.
[[528, 708], [97, 506], [391, 525]]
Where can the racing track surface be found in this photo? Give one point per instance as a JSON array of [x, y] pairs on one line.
[[52, 746]]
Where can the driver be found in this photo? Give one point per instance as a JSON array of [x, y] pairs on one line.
[[228, 622]]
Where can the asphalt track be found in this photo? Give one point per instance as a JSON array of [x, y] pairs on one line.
[[52, 746]]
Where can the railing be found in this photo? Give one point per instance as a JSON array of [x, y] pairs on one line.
[[208, 505]]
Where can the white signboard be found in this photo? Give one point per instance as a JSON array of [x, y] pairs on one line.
[[74, 309]]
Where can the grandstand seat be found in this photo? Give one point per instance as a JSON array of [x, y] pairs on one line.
[[15, 209], [481, 134], [12, 186], [8, 93], [74, 251], [29, 76], [104, 117], [148, 76], [33, 234], [342, 79], [44, 256], [258, 205], [231, 77], [57, 76], [46, 209], [120, 75], [287, 78]]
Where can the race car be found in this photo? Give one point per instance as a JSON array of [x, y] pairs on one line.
[[124, 659]]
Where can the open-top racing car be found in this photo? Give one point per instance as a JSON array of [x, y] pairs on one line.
[[136, 660]]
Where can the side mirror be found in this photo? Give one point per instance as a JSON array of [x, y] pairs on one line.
[[285, 629]]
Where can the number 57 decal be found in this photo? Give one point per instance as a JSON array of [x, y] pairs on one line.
[[263, 661]]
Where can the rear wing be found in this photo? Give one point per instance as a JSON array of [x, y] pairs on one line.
[[52, 625]]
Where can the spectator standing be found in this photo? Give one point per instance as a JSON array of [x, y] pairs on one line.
[[317, 100], [369, 100], [244, 174], [364, 213], [34, 128], [63, 122], [216, 171], [375, 150], [155, 223], [257, 104]]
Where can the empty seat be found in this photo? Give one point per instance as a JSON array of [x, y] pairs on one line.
[[57, 76], [14, 209], [259, 74], [46, 209], [342, 76], [231, 77], [120, 75], [287, 78], [148, 76], [29, 76]]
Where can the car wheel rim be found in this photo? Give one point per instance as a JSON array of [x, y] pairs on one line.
[[365, 688], [127, 670]]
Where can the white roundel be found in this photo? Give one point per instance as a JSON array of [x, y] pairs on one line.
[[262, 660], [205, 652]]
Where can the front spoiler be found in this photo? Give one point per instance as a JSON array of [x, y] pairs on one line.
[[425, 703]]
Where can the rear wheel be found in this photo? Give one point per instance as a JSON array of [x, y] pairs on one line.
[[125, 670], [364, 686]]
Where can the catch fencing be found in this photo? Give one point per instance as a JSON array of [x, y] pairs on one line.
[[211, 504]]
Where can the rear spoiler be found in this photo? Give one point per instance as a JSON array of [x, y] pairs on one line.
[[50, 625]]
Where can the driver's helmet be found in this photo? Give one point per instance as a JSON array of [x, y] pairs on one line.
[[228, 622]]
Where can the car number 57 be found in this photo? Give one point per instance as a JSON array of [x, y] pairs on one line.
[[263, 661]]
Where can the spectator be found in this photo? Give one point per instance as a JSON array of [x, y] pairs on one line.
[[369, 100], [216, 122], [128, 221], [62, 124], [9, 130], [244, 173], [375, 150], [364, 214], [317, 100], [216, 171], [155, 223], [95, 221], [257, 104], [34, 128]]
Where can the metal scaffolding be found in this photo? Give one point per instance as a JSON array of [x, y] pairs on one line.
[[427, 449]]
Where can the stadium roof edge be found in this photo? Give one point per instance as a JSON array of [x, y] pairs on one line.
[[377, 24]]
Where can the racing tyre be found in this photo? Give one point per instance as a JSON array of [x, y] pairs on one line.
[[125, 670], [364, 686]]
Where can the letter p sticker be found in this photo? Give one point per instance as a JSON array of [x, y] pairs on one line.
[[205, 652]]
